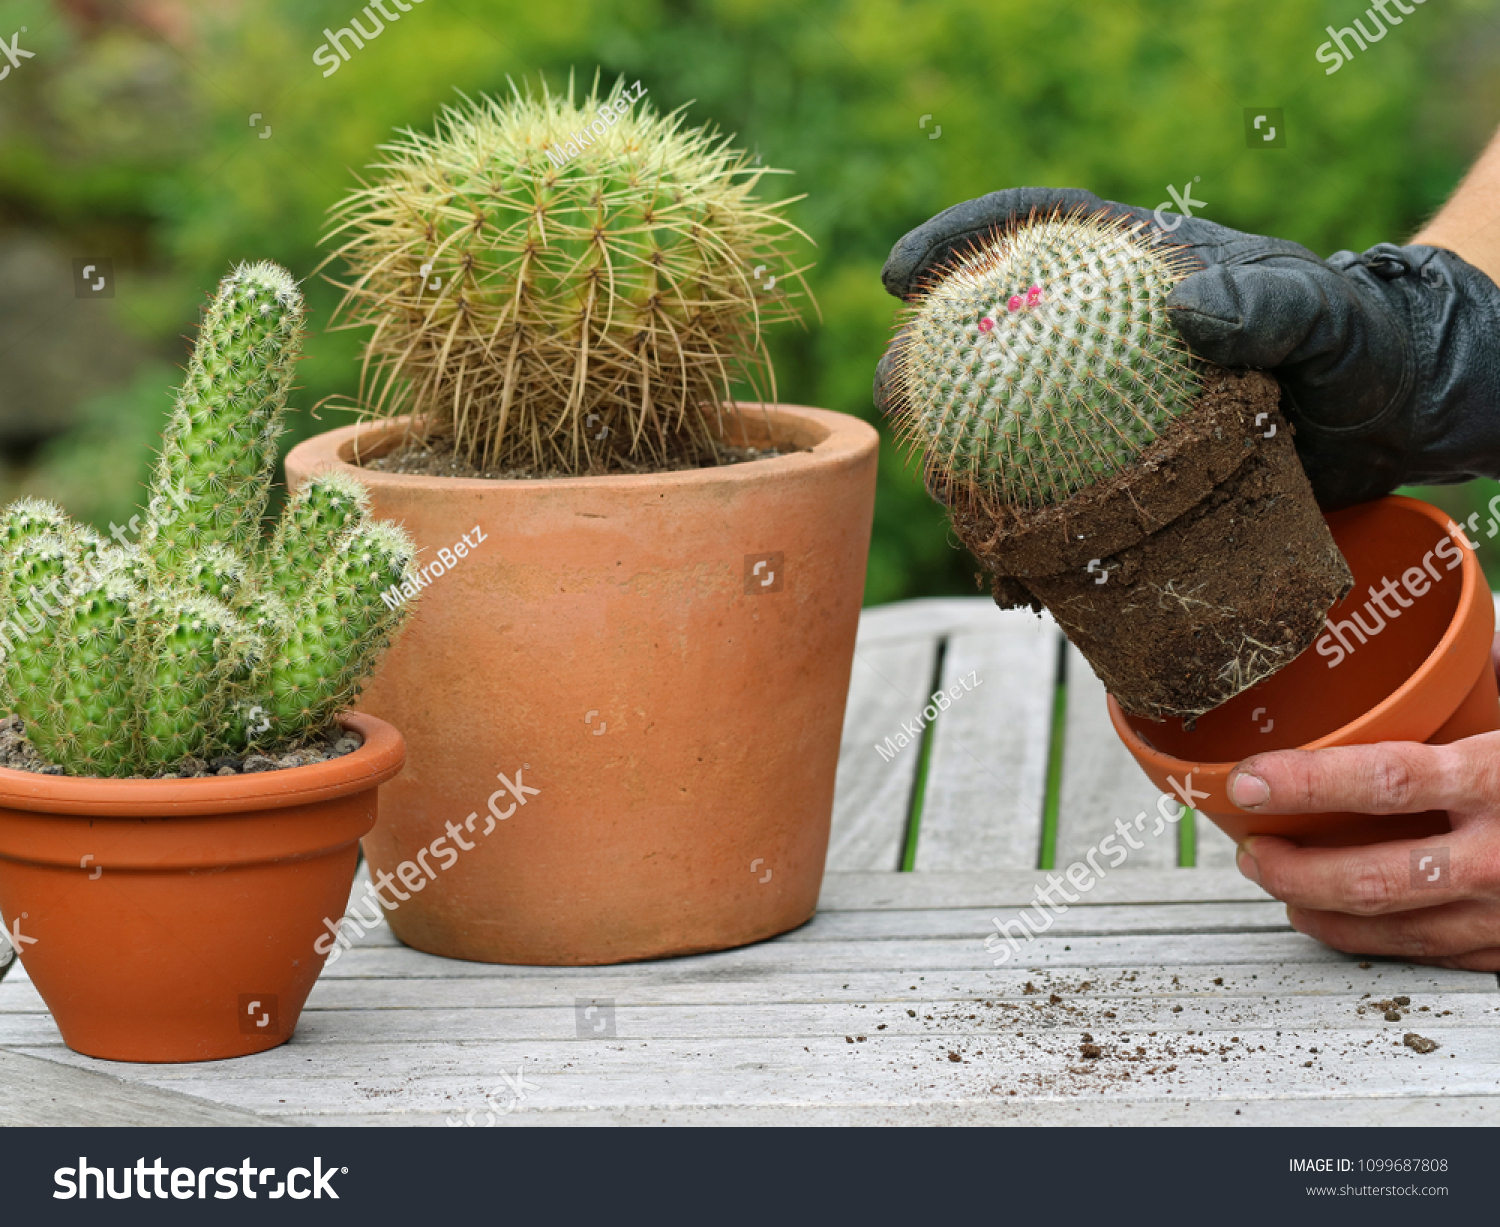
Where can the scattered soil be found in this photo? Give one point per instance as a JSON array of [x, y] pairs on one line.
[[440, 460], [1073, 1037], [18, 754], [1391, 1009], [1159, 575]]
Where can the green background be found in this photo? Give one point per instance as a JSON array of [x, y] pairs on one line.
[[129, 136]]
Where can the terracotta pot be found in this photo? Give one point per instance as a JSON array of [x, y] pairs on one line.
[[664, 658], [1423, 674], [176, 920]]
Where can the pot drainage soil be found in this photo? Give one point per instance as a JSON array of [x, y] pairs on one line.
[[1197, 572]]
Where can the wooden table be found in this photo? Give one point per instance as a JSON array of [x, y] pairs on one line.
[[1202, 1003]]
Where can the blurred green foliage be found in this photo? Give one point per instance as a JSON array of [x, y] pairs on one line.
[[133, 136]]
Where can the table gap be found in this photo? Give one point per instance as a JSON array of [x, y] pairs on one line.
[[1052, 789], [924, 755]]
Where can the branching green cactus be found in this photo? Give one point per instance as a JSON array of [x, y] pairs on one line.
[[125, 660], [1044, 361]]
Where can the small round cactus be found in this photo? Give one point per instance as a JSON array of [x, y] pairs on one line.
[[1044, 361], [555, 286]]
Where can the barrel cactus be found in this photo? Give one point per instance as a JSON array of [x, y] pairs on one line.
[[125, 658], [1043, 361], [564, 287]]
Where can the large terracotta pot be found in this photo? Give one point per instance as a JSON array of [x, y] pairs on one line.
[[178, 920], [664, 659], [1424, 674]]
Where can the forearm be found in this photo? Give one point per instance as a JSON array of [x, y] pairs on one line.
[[1469, 223]]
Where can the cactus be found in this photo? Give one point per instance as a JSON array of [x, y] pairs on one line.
[[125, 660], [219, 450], [89, 718], [318, 515], [330, 629], [198, 657], [30, 517], [36, 567], [562, 287], [1044, 361]]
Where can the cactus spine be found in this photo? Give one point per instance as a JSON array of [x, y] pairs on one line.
[[195, 642], [1044, 361]]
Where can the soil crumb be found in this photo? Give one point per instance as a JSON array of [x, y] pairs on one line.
[[1419, 1043]]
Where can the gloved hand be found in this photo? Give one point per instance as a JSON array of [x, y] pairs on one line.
[[1389, 361]]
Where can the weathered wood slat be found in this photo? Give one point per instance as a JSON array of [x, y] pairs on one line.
[[39, 1092], [874, 891], [1336, 989], [865, 891], [872, 799], [927, 903], [1410, 1113], [1101, 784], [936, 954], [1089, 914], [629, 1072], [959, 923], [1467, 1024], [934, 618], [402, 979], [369, 1032], [982, 807]]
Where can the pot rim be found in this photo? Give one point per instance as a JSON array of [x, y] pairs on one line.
[[1443, 657], [844, 439], [1045, 542], [378, 760]]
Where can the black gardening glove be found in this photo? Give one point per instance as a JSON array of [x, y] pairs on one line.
[[1389, 361]]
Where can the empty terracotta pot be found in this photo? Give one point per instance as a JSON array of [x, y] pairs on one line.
[[177, 920], [1404, 657], [623, 697]]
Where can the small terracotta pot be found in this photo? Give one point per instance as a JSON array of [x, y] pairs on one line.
[[664, 658], [176, 920], [1423, 675]]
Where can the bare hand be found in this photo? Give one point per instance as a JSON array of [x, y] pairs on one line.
[[1368, 900]]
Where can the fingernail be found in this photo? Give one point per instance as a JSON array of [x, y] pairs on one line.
[[1246, 863], [1247, 791], [1294, 918]]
